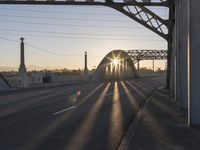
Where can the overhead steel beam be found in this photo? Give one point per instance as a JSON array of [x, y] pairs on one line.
[[76, 2]]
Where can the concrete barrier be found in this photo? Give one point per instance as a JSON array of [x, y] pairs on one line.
[[4, 85]]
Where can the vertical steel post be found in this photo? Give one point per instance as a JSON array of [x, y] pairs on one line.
[[153, 65], [138, 65], [169, 52]]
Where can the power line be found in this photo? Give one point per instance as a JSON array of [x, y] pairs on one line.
[[60, 12], [7, 39], [86, 38], [72, 33], [95, 56], [71, 25], [44, 50], [62, 18], [50, 52]]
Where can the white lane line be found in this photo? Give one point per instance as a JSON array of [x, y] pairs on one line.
[[61, 111], [109, 94]]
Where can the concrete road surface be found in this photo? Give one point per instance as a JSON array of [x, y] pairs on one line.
[[81, 117]]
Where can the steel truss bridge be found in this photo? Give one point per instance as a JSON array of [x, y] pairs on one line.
[[138, 55]]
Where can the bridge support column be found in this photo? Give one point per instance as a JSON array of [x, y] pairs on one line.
[[119, 69], [194, 62], [182, 65], [176, 50], [173, 65], [131, 71], [169, 50], [122, 68], [106, 72], [179, 54], [153, 65], [109, 71], [126, 69], [138, 65], [112, 71]]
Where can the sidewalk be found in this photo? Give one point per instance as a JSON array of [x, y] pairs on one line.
[[161, 125]]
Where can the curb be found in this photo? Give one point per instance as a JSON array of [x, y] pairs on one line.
[[132, 129]]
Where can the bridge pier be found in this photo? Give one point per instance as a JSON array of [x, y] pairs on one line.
[[126, 69], [153, 65], [122, 68], [172, 65], [138, 65], [194, 62], [182, 63], [186, 56], [179, 77], [177, 52], [179, 70], [109, 71]]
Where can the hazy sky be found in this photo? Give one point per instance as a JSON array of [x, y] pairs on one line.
[[69, 31]]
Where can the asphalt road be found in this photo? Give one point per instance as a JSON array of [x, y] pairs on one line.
[[59, 119]]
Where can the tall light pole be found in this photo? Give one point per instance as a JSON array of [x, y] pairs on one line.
[[85, 73], [22, 69]]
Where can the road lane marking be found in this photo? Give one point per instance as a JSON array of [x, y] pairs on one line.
[[61, 111], [109, 94]]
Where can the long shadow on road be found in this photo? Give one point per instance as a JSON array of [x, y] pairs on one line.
[[59, 133]]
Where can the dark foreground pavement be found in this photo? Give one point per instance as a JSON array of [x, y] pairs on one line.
[[161, 125]]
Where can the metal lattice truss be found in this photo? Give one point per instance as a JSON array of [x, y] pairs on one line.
[[146, 17], [136, 9], [138, 55]]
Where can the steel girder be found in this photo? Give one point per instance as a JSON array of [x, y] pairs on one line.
[[138, 55], [85, 2], [146, 17]]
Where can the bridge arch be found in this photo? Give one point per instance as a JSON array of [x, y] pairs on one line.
[[117, 64]]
